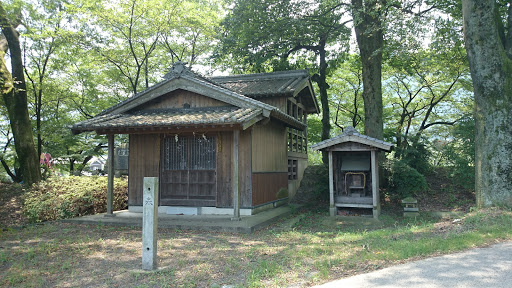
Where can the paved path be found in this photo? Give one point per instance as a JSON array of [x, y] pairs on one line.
[[480, 267]]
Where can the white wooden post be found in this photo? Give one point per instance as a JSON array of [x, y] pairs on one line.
[[236, 190], [110, 184], [149, 223], [332, 208], [375, 185]]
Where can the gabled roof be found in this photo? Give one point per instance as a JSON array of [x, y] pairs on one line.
[[125, 114], [351, 135], [276, 84]]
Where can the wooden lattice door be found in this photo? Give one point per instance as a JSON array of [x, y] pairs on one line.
[[189, 175]]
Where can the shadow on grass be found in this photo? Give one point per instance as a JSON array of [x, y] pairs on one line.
[[308, 247]]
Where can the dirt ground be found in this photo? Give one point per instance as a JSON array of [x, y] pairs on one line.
[[11, 214], [303, 249]]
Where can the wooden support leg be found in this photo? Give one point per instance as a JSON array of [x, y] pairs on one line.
[[236, 191], [110, 185], [332, 208], [375, 185]]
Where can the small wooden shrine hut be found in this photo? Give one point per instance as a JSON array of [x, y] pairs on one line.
[[220, 145], [353, 170]]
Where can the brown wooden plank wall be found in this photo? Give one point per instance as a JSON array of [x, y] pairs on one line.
[[224, 156], [278, 102], [177, 98], [144, 161], [269, 148], [266, 186], [224, 169], [244, 169], [269, 162]]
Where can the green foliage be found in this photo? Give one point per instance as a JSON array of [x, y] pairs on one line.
[[404, 181], [460, 152], [314, 129], [415, 154], [346, 99], [321, 185], [68, 197]]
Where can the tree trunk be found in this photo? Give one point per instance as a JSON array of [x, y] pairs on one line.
[[491, 72], [324, 99], [14, 93], [368, 28]]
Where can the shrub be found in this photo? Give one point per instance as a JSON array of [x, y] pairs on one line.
[[67, 197], [321, 186], [404, 180], [415, 154]]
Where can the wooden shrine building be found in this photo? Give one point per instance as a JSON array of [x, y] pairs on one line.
[[353, 170], [221, 145]]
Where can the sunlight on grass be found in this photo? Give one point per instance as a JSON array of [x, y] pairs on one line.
[[78, 255]]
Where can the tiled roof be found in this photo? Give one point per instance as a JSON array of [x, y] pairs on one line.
[[351, 135], [275, 84], [265, 84], [166, 117], [179, 77]]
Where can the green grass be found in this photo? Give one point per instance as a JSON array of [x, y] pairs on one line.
[[315, 249]]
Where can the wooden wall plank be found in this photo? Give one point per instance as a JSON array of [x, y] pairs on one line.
[[224, 169], [266, 186], [224, 156], [144, 161], [269, 148], [245, 168], [278, 102]]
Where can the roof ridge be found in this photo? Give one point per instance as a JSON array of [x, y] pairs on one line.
[[260, 76], [347, 134]]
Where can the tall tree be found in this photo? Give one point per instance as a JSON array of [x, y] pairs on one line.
[[14, 93], [371, 24], [488, 36], [425, 90], [126, 35], [43, 28], [279, 35], [369, 34]]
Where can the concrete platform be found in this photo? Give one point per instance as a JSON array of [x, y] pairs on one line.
[[219, 223]]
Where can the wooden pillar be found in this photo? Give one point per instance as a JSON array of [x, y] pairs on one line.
[[332, 208], [110, 185], [236, 190], [375, 184]]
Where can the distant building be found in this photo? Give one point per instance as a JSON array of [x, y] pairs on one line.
[[97, 164]]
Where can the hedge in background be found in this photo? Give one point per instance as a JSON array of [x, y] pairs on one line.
[[68, 197]]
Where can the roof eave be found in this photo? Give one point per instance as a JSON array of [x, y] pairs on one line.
[[332, 142]]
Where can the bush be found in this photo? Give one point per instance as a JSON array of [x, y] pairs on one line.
[[321, 186], [68, 197], [404, 181], [415, 154]]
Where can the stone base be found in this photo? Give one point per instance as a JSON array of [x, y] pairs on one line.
[[411, 214]]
